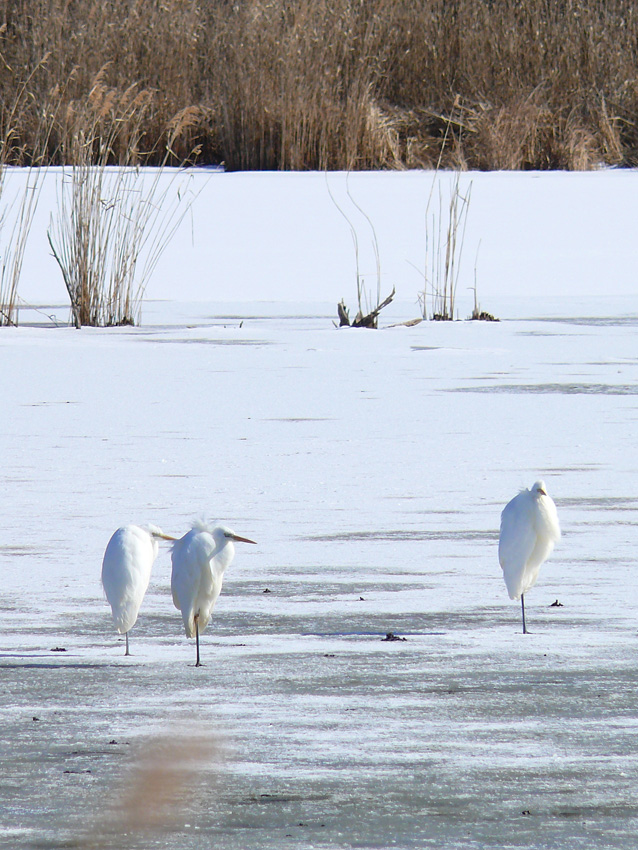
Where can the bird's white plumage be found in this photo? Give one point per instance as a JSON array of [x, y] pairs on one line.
[[200, 559], [126, 571], [529, 531]]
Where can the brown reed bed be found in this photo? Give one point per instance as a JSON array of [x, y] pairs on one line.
[[328, 84]]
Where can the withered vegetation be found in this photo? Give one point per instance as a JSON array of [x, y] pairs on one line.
[[325, 84]]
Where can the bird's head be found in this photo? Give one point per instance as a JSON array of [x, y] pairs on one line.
[[539, 489], [226, 534], [157, 533]]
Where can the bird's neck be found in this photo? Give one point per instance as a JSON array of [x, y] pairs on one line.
[[224, 556]]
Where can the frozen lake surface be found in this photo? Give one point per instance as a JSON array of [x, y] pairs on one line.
[[371, 467]]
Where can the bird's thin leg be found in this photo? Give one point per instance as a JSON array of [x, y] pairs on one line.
[[198, 663], [523, 610], [126, 636]]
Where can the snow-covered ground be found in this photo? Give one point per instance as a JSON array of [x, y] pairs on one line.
[[282, 237], [371, 467]]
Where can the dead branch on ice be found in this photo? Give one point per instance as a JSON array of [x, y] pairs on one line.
[[369, 320]]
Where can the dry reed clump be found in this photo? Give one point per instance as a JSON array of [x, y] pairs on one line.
[[444, 240], [334, 84], [112, 223], [19, 193], [18, 210]]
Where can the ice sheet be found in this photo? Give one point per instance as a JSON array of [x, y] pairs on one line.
[[371, 467]]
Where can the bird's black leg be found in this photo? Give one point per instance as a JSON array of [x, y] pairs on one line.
[[127, 652], [198, 663], [523, 610]]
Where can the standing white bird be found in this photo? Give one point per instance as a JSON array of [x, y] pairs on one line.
[[200, 559], [529, 530], [126, 571]]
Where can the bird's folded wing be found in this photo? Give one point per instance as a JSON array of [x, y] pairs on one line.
[[517, 539], [191, 569]]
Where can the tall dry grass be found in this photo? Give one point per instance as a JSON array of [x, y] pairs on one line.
[[325, 84], [292, 85]]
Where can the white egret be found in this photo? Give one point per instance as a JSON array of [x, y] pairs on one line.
[[200, 559], [126, 571], [529, 530]]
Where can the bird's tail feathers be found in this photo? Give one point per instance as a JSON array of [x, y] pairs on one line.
[[124, 622], [189, 624]]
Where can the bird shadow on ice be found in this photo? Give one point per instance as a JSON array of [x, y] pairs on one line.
[[167, 774]]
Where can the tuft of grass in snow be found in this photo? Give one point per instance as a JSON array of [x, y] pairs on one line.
[[444, 240], [368, 306]]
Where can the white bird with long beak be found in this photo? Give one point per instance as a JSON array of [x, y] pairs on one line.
[[529, 530], [126, 571], [200, 559]]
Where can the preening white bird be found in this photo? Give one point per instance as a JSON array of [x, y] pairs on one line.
[[126, 571], [529, 531], [200, 559]]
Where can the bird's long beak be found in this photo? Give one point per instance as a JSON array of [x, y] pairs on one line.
[[542, 492], [241, 539], [166, 536]]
